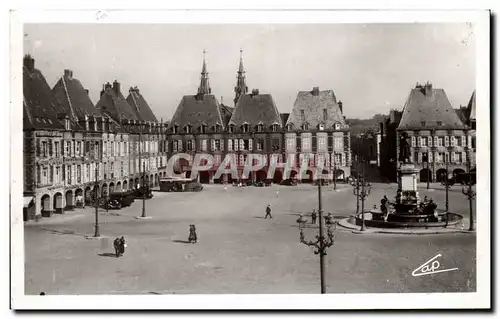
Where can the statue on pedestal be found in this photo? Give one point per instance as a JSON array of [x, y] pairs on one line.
[[404, 149]]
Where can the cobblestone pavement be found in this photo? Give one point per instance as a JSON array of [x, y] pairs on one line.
[[238, 251]]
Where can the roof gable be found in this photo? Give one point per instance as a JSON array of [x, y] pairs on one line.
[[114, 104], [140, 106], [196, 110], [426, 108], [254, 108], [309, 107]]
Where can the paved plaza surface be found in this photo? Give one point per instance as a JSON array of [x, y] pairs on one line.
[[238, 251]]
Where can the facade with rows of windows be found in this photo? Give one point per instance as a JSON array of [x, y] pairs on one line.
[[315, 130], [75, 151], [437, 135]]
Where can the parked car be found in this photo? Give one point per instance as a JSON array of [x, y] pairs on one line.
[[289, 182], [125, 198], [113, 204], [141, 191], [193, 187]]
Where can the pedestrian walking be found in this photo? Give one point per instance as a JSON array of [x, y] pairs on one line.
[[116, 245], [268, 211], [301, 221], [193, 237], [313, 216], [123, 245]]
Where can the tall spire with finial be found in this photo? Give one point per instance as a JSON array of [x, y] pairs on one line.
[[204, 83], [241, 86]]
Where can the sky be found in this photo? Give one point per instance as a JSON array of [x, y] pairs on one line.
[[370, 67]]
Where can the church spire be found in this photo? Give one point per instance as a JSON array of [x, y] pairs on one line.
[[204, 87], [241, 86]]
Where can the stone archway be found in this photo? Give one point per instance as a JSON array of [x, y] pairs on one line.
[[111, 188], [88, 195], [441, 175], [278, 177], [458, 171], [118, 187], [104, 190], [204, 177], [157, 180], [58, 203], [425, 174], [261, 176], [95, 194], [46, 206], [69, 196], [79, 199]]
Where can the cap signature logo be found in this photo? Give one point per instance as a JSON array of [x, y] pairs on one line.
[[429, 268]]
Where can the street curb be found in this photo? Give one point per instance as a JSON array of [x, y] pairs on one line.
[[143, 218], [356, 230]]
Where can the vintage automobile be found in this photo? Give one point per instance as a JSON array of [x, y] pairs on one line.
[[124, 198], [289, 182]]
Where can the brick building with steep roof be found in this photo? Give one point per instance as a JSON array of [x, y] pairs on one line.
[[200, 124], [435, 132], [317, 126]]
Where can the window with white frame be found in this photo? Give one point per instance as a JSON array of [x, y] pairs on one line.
[[440, 140], [290, 144], [429, 141], [260, 145], [321, 143], [462, 141], [424, 141], [452, 140], [306, 143], [419, 141], [189, 145], [217, 145], [204, 145], [413, 141], [446, 141], [229, 145]]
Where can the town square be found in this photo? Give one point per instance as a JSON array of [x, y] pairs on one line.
[[251, 164], [238, 251]]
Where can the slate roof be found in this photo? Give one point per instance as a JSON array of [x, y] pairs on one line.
[[140, 106], [254, 109], [40, 110], [114, 104], [313, 103], [226, 113], [472, 107], [196, 110], [70, 93], [431, 106], [284, 117]]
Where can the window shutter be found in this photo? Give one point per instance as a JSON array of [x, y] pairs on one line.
[[212, 141], [429, 141], [464, 157], [419, 141], [229, 145], [179, 145], [452, 140], [343, 159], [463, 141], [250, 144], [446, 141], [235, 145], [242, 145], [413, 141], [469, 141]]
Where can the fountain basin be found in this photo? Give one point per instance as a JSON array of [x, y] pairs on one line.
[[374, 219]]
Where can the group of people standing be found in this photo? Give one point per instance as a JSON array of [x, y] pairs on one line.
[[328, 218]]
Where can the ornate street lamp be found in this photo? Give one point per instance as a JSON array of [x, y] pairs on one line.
[[321, 243], [143, 191], [467, 191]]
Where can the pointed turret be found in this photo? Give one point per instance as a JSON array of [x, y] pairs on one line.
[[241, 86], [204, 83]]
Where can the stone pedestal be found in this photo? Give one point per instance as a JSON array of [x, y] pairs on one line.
[[407, 184]]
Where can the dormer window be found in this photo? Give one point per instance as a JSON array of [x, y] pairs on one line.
[[231, 128], [244, 128], [203, 129], [175, 129], [439, 123], [305, 126], [422, 123], [289, 127], [336, 126], [260, 127], [321, 127], [187, 129], [218, 128], [66, 124], [274, 127]]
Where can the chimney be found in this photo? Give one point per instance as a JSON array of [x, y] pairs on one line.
[[255, 91], [68, 73], [116, 87], [340, 107], [428, 89], [105, 87], [29, 62], [87, 91], [315, 91]]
